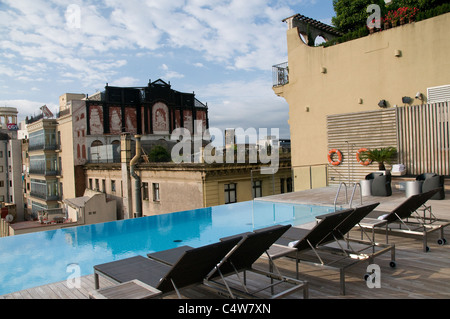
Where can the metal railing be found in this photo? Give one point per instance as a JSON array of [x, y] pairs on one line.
[[350, 203], [337, 194], [45, 196], [280, 74]]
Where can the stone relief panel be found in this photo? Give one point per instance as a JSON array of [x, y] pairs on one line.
[[115, 120], [160, 113], [131, 120], [96, 119]]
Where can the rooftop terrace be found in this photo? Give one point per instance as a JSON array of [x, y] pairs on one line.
[[417, 275]]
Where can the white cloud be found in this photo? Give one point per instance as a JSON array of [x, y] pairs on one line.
[[28, 108], [249, 104], [126, 81], [232, 34], [169, 74], [240, 34]]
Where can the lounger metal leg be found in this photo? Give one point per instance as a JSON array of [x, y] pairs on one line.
[[425, 241], [393, 253], [96, 281], [176, 289], [271, 271], [387, 235], [342, 275]]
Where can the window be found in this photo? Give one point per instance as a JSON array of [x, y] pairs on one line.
[[145, 191], [156, 197], [90, 183], [113, 186], [289, 184], [282, 191], [96, 143], [230, 193], [97, 185], [257, 189], [104, 185], [2, 183]]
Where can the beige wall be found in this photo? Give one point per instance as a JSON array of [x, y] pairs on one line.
[[65, 126], [179, 190], [107, 175], [98, 209], [182, 188], [365, 69], [215, 185]]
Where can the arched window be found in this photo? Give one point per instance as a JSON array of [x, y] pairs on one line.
[[319, 40], [96, 143]]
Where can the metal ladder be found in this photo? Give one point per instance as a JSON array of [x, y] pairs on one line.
[[355, 185]]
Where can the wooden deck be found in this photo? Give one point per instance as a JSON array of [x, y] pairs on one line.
[[417, 275]]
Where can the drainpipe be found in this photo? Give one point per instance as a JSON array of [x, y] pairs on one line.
[[137, 179]]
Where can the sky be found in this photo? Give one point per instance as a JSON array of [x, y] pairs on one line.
[[222, 50]]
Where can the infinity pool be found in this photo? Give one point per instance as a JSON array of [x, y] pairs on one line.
[[41, 258]]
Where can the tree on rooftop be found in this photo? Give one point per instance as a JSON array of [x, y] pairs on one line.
[[422, 5], [351, 15], [159, 154]]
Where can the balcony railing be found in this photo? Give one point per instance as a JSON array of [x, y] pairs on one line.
[[45, 196], [280, 74], [45, 172], [42, 147]]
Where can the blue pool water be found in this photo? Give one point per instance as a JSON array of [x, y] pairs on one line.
[[41, 258]]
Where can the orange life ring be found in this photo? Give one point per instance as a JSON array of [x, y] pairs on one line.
[[365, 163], [339, 154]]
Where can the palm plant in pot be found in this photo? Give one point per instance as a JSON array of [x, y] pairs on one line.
[[380, 155]]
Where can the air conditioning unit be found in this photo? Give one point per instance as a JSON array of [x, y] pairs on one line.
[[438, 94]]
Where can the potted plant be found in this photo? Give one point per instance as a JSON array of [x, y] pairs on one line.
[[381, 156], [412, 12], [392, 17], [386, 23]]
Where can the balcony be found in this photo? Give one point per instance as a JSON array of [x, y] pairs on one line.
[[43, 147], [44, 196], [45, 172], [280, 74]]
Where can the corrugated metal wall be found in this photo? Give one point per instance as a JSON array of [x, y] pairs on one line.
[[420, 134], [424, 138], [350, 132]]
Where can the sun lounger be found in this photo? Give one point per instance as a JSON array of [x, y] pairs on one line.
[[326, 246], [192, 266], [405, 219], [240, 260]]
